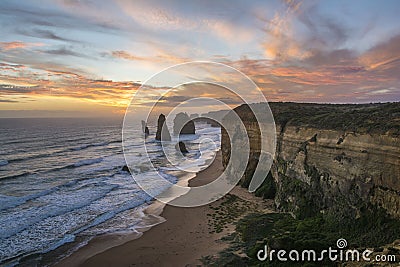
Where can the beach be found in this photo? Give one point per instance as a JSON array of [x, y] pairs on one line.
[[187, 235]]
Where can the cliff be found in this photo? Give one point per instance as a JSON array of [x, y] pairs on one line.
[[332, 159]]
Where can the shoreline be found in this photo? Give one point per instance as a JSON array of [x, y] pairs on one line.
[[186, 235], [100, 244]]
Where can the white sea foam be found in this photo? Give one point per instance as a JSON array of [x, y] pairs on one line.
[[53, 205]]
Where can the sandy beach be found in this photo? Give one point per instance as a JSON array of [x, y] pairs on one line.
[[187, 235]]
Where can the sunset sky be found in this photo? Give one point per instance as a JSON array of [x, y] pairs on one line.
[[87, 58]]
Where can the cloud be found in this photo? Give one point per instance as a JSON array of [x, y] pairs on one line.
[[164, 17], [63, 83], [280, 43], [159, 56], [384, 55], [324, 32], [17, 45], [126, 55], [12, 45], [36, 15], [63, 51], [44, 34], [12, 89], [299, 31], [159, 17], [196, 95], [8, 101], [228, 31], [341, 75]]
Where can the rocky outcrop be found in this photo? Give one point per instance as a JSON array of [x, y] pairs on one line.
[[125, 168], [183, 124], [180, 146], [329, 158], [145, 129], [162, 133], [193, 116]]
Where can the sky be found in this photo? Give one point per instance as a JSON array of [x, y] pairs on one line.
[[88, 58]]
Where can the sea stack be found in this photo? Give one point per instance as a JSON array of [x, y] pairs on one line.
[[162, 133], [181, 147], [145, 129], [183, 124], [143, 125]]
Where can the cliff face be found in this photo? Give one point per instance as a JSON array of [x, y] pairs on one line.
[[336, 159]]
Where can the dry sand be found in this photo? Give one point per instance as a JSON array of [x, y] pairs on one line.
[[185, 236]]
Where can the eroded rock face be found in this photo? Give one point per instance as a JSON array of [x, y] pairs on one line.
[[183, 124], [162, 133], [336, 166]]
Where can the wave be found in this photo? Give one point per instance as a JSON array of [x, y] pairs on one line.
[[85, 146], [21, 174], [64, 211], [60, 151], [57, 152], [87, 162], [18, 221], [112, 213], [48, 226], [187, 137], [36, 156], [80, 163], [8, 202], [143, 220], [3, 162]]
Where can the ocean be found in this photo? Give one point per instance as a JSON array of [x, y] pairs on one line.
[[61, 180]]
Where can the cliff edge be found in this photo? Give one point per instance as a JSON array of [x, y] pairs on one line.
[[330, 158]]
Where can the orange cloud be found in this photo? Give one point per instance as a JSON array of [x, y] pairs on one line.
[[125, 55], [16, 45], [12, 45], [65, 84], [383, 56], [280, 43], [160, 57]]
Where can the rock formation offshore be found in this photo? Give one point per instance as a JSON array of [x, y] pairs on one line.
[[183, 124], [162, 133]]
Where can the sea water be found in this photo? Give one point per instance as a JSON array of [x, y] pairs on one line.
[[62, 179]]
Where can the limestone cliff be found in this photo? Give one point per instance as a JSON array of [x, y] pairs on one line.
[[329, 158]]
